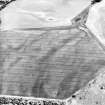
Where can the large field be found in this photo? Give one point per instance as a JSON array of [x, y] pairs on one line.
[[50, 61], [51, 64]]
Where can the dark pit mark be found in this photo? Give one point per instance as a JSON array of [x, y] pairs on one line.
[[73, 96]]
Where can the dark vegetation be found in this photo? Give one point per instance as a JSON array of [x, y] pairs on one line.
[[95, 1]]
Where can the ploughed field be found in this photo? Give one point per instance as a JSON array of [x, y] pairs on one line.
[[49, 63]]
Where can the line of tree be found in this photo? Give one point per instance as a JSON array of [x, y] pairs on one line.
[[4, 3]]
